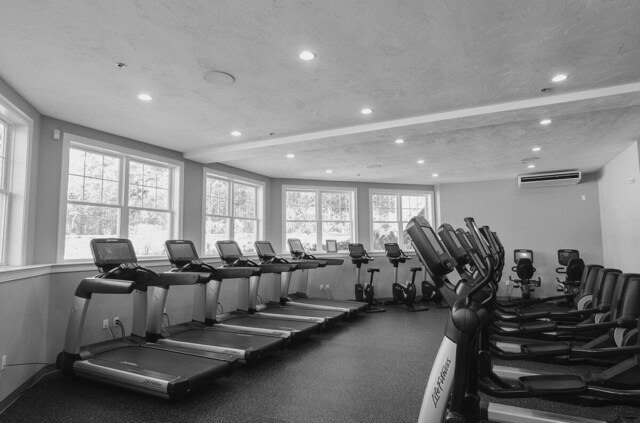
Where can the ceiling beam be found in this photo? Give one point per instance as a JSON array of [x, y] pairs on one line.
[[230, 151]]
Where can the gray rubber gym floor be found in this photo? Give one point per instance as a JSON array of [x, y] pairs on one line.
[[370, 369]]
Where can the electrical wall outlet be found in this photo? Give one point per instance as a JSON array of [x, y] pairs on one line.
[[321, 287], [115, 319], [327, 287], [3, 364], [105, 324]]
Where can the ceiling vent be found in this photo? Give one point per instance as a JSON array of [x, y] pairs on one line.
[[549, 179]]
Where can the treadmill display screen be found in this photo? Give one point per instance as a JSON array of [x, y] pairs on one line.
[[265, 249], [112, 251], [181, 251], [228, 250], [296, 246]]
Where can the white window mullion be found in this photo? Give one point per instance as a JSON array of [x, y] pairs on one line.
[[124, 200]]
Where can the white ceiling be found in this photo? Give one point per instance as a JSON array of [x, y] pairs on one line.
[[460, 81]]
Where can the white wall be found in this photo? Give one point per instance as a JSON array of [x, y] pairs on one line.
[[619, 187], [542, 219]]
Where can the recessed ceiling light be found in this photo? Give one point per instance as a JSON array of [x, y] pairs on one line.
[[366, 111], [145, 97], [399, 141], [559, 77], [536, 149], [329, 171], [121, 65], [545, 121], [236, 133], [218, 77], [435, 175], [420, 161], [531, 166], [307, 55], [290, 156]]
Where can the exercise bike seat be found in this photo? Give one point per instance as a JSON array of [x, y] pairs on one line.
[[415, 269], [553, 384], [373, 269], [546, 348]]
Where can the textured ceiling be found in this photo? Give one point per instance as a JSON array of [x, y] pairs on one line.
[[460, 81]]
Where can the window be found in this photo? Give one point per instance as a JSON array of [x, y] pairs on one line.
[[233, 210], [114, 193], [316, 214], [4, 189], [390, 212], [16, 133]]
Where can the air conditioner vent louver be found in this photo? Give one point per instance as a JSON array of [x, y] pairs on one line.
[[549, 179]]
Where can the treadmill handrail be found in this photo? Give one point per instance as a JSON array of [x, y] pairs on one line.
[[95, 285]]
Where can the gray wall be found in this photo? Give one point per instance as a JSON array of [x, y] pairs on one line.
[[619, 187], [542, 219]]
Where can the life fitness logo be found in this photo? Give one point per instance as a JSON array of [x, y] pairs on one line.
[[437, 390]]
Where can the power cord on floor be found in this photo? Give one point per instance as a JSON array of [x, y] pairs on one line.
[[219, 309], [34, 382], [258, 299], [113, 335]]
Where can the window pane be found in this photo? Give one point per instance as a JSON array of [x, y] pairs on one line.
[[301, 205], [217, 197], [245, 233], [148, 230], [244, 201], [413, 205], [93, 177], [76, 162], [307, 232], [87, 222], [340, 231], [383, 233], [336, 206], [384, 207], [216, 229], [147, 186]]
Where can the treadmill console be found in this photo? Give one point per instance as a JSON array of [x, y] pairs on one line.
[[296, 248], [428, 247], [109, 253], [230, 254], [181, 252]]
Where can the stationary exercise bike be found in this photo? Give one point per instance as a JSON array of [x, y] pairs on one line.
[[572, 267], [364, 293], [525, 270], [405, 294]]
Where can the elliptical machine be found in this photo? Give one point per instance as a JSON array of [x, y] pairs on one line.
[[364, 293], [525, 270], [405, 294]]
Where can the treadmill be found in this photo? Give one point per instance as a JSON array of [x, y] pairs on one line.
[[131, 362], [301, 298], [267, 255], [241, 320]]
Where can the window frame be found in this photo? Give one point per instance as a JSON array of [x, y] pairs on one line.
[[353, 191], [126, 155], [18, 173], [430, 210], [5, 190], [233, 179]]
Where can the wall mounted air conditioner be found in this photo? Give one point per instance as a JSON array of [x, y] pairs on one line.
[[549, 179]]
